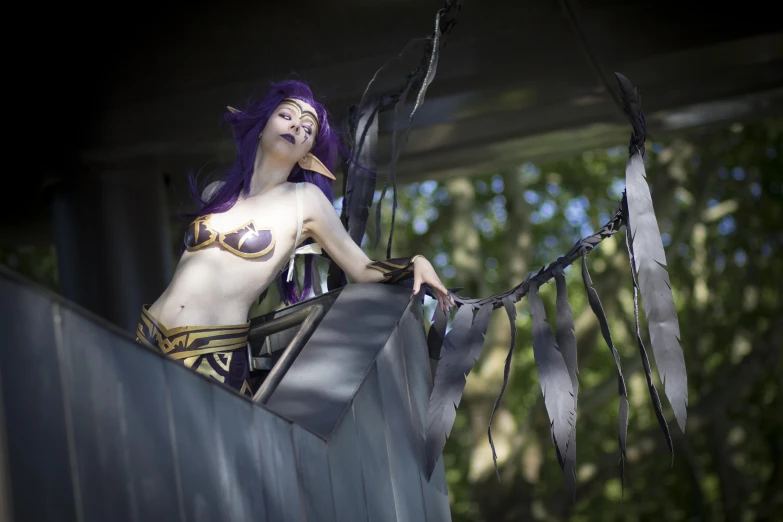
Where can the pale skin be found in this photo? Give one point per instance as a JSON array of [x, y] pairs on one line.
[[212, 286]]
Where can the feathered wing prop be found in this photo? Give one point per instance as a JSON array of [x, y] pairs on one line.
[[508, 304], [643, 353], [461, 348], [622, 414], [361, 124], [391, 173], [364, 149], [435, 337], [557, 370], [566, 343], [649, 263], [419, 80], [556, 356], [555, 381]]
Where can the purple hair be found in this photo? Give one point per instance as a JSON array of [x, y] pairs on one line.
[[246, 127]]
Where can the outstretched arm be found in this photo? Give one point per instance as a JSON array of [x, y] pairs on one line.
[[322, 224]]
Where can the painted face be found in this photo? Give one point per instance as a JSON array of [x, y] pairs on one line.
[[291, 129]]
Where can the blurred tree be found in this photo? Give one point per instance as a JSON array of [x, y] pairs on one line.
[[718, 197], [36, 262]]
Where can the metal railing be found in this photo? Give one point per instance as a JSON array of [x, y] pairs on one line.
[[307, 318]]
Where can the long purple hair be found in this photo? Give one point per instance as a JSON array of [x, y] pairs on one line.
[[246, 127]]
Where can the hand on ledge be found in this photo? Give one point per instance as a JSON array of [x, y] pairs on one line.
[[423, 272]]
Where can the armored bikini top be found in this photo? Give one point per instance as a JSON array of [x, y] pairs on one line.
[[248, 241]]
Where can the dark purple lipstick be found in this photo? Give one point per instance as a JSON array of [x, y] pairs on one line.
[[289, 138]]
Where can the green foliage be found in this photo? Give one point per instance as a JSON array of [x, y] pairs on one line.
[[36, 262], [719, 201]]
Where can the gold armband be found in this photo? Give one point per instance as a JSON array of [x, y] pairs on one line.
[[394, 270]]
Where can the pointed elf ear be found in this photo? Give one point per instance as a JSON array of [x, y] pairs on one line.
[[231, 109], [310, 162]]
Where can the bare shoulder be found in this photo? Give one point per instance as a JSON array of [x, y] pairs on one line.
[[320, 214], [316, 199], [212, 189]]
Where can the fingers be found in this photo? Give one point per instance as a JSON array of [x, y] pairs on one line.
[[443, 304], [438, 296], [416, 285], [444, 298], [445, 301], [444, 293]]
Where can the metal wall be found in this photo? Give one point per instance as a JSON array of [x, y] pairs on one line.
[[94, 427], [362, 383]]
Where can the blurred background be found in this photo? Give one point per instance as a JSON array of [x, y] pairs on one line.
[[518, 151]]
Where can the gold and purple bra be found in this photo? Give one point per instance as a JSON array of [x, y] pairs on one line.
[[247, 241]]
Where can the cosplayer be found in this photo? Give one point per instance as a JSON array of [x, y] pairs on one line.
[[276, 195]]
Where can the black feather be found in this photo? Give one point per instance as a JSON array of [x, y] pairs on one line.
[[622, 415], [435, 338], [436, 333], [643, 353], [424, 81], [462, 346], [649, 262], [632, 105], [653, 281], [566, 343], [391, 173], [564, 332], [511, 311], [431, 67], [361, 178], [420, 78], [360, 126], [553, 378]]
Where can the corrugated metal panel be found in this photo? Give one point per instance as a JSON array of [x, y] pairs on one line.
[[345, 470], [281, 486], [114, 389], [361, 366], [193, 412], [321, 383], [417, 371], [370, 426], [400, 436], [149, 447], [313, 465], [239, 457], [38, 458], [437, 495]]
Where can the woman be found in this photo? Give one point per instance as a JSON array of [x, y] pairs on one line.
[[276, 195]]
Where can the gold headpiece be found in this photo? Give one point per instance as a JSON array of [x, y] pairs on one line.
[[302, 112], [288, 101]]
